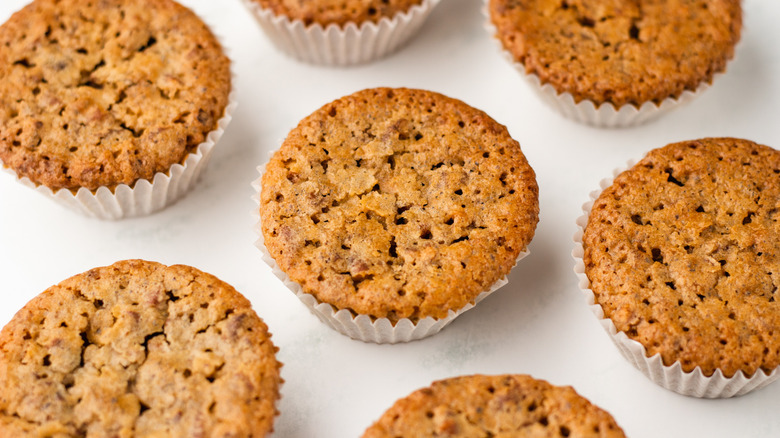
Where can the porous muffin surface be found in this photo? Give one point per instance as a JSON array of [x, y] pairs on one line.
[[683, 254], [338, 12], [106, 92], [507, 406], [138, 349], [398, 203], [619, 51]]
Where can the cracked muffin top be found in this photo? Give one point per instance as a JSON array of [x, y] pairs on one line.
[[338, 12], [106, 92], [683, 254], [398, 203], [501, 406], [138, 349], [619, 51]]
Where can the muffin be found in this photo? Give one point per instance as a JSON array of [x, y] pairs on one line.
[[618, 62], [479, 406], [339, 32], [138, 349], [398, 206], [111, 107], [681, 253]]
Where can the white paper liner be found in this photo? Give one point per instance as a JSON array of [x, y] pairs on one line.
[[605, 115], [337, 46], [694, 383], [143, 197], [361, 327]]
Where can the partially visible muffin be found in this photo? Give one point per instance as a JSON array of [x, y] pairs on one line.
[[338, 12], [339, 32], [398, 204], [683, 255], [619, 52], [106, 93], [506, 406], [138, 349]]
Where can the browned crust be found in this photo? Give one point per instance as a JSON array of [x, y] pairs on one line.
[[338, 12], [683, 254], [138, 349], [479, 406], [619, 51], [398, 203], [107, 92]]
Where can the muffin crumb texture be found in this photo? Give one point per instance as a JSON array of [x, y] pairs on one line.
[[683, 255], [138, 349], [619, 51], [338, 12], [494, 406], [398, 203], [106, 92]]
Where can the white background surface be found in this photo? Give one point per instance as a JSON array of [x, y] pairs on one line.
[[539, 324]]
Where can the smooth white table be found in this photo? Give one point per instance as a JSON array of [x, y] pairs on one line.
[[539, 324]]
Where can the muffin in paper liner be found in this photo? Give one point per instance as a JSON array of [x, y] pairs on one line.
[[193, 332], [605, 115], [169, 165], [361, 327], [673, 378], [144, 197], [397, 203], [340, 46]]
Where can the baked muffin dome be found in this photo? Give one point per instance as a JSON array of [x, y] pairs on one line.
[[138, 349], [619, 51], [338, 12], [502, 406], [398, 203]]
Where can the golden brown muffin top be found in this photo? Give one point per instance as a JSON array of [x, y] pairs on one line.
[[106, 92], [138, 349], [683, 254], [619, 51], [508, 406], [338, 12], [398, 203]]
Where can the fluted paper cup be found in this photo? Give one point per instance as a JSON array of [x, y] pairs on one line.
[[144, 196], [362, 327], [340, 46]]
